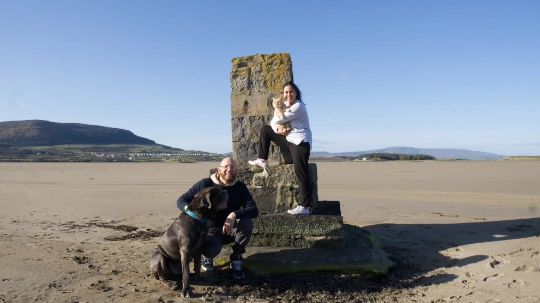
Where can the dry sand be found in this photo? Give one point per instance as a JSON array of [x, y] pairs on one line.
[[470, 230]]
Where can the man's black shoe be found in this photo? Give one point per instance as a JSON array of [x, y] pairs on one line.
[[207, 263], [236, 265]]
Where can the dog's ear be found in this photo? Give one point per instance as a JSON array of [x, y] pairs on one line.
[[206, 200]]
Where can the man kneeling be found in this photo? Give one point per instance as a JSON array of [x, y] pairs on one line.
[[232, 224]]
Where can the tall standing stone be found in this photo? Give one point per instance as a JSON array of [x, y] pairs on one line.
[[255, 80]]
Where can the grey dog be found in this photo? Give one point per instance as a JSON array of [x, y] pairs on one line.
[[184, 240]]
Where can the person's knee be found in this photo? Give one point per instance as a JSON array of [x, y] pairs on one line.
[[267, 127], [211, 251], [212, 247], [245, 225]]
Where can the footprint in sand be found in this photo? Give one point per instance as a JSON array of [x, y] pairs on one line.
[[527, 268], [518, 283], [453, 252], [498, 262], [493, 278], [470, 274], [472, 277]]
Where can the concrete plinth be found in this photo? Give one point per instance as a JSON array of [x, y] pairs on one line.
[[361, 255]]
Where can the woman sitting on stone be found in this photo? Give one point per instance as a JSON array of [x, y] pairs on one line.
[[296, 141]]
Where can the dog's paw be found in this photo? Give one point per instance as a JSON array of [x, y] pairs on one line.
[[187, 293]]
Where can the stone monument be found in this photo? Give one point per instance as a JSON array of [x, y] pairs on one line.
[[255, 80], [297, 243]]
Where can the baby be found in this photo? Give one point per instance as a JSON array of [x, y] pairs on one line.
[[279, 109]]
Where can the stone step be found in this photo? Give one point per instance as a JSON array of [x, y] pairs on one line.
[[323, 228], [361, 255], [309, 231]]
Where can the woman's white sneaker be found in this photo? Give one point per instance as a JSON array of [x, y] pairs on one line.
[[299, 210], [259, 162]]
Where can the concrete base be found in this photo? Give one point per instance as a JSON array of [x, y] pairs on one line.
[[284, 243], [361, 255]]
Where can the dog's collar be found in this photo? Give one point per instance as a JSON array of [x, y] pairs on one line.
[[194, 216]]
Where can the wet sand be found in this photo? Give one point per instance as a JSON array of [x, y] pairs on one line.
[[471, 230]]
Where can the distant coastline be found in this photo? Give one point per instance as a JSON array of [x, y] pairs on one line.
[[438, 153], [514, 158]]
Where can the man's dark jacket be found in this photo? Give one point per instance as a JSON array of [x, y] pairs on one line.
[[240, 200]]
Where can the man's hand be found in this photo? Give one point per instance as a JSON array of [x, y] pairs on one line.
[[229, 223]]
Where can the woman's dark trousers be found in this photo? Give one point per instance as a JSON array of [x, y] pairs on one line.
[[300, 155]]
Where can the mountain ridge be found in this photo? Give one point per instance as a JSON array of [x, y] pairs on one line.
[[46, 133]]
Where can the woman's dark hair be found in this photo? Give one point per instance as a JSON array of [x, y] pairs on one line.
[[296, 89]]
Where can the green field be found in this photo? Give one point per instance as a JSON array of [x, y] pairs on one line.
[[103, 153]]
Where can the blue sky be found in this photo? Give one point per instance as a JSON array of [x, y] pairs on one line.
[[374, 74]]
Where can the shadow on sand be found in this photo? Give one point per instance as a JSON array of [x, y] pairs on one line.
[[415, 249], [420, 248]]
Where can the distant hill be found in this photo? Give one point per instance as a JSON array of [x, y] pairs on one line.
[[45, 133], [438, 153]]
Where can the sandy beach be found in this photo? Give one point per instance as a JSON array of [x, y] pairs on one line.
[[465, 231]]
